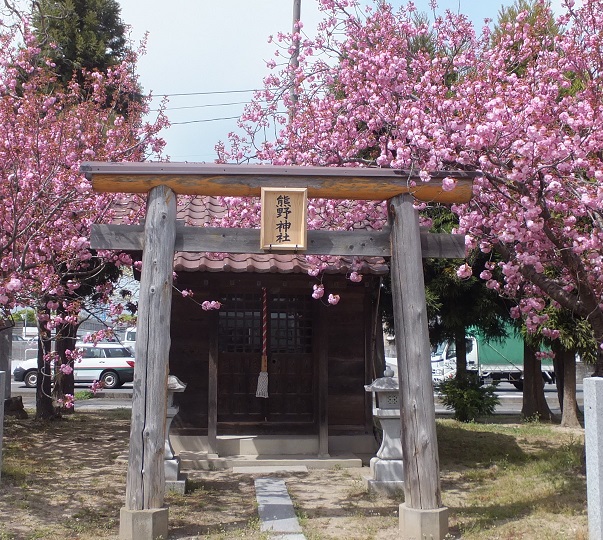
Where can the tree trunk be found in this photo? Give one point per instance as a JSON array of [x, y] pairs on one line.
[[44, 406], [559, 371], [6, 353], [461, 356], [598, 372], [534, 401], [66, 338], [570, 411], [594, 315]]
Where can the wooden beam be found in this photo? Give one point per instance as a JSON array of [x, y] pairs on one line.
[[247, 180], [223, 240], [212, 386], [370, 309], [145, 484], [442, 246], [417, 410], [321, 353]]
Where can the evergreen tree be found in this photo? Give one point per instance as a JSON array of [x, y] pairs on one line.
[[81, 35], [461, 303], [454, 304]]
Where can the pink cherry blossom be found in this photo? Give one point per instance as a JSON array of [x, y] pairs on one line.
[[14, 284], [67, 401], [96, 386], [355, 277], [364, 97], [448, 184], [66, 369], [464, 271], [46, 205], [318, 291], [208, 305]]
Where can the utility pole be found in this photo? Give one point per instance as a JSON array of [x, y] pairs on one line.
[[296, 19], [294, 56]]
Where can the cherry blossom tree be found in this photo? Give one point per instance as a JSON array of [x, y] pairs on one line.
[[47, 205], [524, 107]]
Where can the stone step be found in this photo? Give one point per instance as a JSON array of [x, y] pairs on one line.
[[210, 462], [269, 469], [246, 445], [202, 461]]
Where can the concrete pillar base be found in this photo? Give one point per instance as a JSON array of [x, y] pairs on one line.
[[390, 470], [384, 487], [177, 486], [143, 524], [171, 468], [423, 524], [593, 429]]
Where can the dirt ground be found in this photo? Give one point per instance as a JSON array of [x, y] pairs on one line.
[[64, 480]]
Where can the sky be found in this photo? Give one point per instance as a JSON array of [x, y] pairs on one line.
[[206, 57]]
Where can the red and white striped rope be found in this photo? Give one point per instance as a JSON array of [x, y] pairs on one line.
[[264, 322]]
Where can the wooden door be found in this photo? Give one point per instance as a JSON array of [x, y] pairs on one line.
[[290, 359], [291, 373]]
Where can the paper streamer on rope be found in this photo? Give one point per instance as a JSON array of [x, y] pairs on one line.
[[262, 390]]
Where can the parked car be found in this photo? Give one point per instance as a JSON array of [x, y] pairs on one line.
[[18, 339], [110, 363]]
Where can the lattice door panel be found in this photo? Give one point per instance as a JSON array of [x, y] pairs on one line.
[[291, 385]]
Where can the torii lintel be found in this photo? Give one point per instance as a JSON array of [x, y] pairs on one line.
[[357, 183]]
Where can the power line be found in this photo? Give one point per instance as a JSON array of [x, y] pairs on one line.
[[207, 120], [208, 93], [202, 106], [214, 119]]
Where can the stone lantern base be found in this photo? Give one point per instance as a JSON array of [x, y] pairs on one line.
[[174, 479], [386, 476]]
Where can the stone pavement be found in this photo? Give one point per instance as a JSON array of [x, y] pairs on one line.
[[276, 511]]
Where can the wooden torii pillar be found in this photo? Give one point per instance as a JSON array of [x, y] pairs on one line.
[[144, 516]]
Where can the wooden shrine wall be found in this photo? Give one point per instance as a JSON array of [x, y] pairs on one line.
[[348, 330]]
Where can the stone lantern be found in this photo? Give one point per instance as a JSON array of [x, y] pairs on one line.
[[174, 481], [387, 472]]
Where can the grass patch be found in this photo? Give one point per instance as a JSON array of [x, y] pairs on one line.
[[121, 413], [13, 473], [522, 481], [91, 520]]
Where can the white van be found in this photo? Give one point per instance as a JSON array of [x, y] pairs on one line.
[[111, 364]]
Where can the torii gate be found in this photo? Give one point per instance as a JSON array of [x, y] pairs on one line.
[[144, 515]]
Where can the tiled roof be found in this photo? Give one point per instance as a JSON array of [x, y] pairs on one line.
[[272, 263], [203, 211]]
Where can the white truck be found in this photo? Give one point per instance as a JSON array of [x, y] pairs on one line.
[[129, 339], [492, 360]]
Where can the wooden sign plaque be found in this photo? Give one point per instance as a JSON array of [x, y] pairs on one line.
[[284, 219]]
